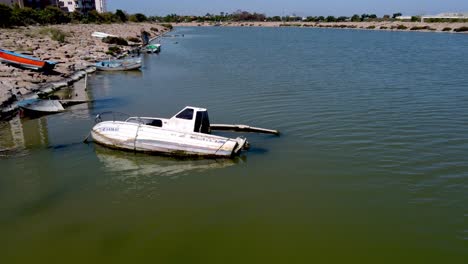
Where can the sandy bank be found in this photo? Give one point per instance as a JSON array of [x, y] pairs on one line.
[[78, 51]]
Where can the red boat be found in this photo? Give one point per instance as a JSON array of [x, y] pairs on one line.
[[25, 61]]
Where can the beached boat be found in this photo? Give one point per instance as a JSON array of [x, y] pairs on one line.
[[119, 65], [25, 61], [39, 106], [153, 48], [184, 134]]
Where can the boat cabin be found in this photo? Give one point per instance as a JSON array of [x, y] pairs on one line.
[[189, 119]]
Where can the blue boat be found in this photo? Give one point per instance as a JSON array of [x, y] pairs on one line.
[[119, 65]]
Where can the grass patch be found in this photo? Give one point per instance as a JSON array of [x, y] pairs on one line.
[[113, 50], [133, 39], [54, 34], [167, 25], [383, 27]]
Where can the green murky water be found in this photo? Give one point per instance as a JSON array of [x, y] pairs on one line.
[[371, 166]]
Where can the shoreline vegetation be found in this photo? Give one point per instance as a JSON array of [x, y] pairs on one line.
[[51, 34]]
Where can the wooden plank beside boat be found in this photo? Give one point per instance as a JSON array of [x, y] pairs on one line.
[[25, 61], [243, 128]]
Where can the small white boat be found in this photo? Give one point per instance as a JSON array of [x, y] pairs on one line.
[[184, 134], [153, 48], [119, 65]]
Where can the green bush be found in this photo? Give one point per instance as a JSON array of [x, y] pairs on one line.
[[113, 50], [167, 25], [122, 16], [461, 29], [138, 18], [447, 29], [371, 27], [383, 27], [52, 15], [420, 28], [133, 39], [5, 15], [401, 27], [115, 40]]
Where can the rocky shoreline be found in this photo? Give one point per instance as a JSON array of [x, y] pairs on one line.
[[75, 54], [381, 25]]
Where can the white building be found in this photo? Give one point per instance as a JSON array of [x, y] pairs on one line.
[[83, 5], [68, 5], [101, 6]]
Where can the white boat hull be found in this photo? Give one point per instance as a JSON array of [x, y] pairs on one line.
[[146, 138]]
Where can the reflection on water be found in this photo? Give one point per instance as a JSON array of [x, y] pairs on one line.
[[128, 164], [20, 134]]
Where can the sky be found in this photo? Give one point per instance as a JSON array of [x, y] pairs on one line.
[[290, 7]]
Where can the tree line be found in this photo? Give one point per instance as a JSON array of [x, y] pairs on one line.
[[16, 16]]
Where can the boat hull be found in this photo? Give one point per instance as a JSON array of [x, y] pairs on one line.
[[41, 107], [24, 61], [119, 65], [145, 138], [120, 68]]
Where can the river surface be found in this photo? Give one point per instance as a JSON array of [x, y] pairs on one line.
[[371, 165]]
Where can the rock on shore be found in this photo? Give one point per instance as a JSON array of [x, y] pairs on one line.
[[78, 51]]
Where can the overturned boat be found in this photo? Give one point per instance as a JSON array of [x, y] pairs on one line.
[[185, 134], [40, 106]]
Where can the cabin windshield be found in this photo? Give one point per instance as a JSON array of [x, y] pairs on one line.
[[186, 114]]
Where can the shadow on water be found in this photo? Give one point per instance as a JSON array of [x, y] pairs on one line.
[[100, 105]]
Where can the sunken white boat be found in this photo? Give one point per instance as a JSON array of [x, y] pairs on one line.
[[184, 134]]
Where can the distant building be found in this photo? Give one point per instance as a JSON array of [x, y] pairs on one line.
[[68, 5], [39, 4], [403, 17], [30, 3], [83, 6], [447, 16], [101, 6], [12, 2], [439, 16]]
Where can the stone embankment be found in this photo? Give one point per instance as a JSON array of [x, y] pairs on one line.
[[75, 53]]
